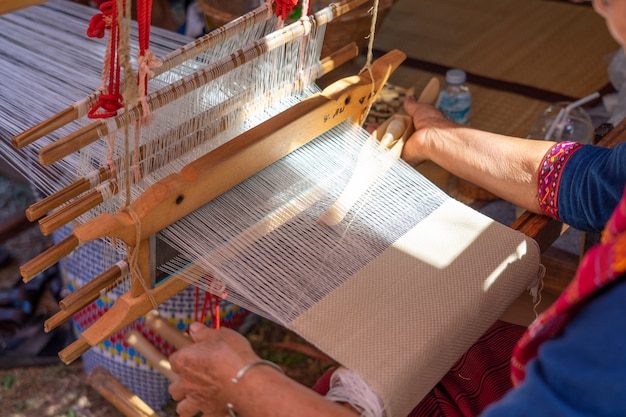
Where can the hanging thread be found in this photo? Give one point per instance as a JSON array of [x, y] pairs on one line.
[[108, 104]]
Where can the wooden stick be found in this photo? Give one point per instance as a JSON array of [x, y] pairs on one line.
[[106, 281], [71, 211], [72, 142], [40, 208], [157, 359], [339, 58], [171, 60], [89, 134], [84, 296], [118, 395], [167, 330], [8, 6], [50, 125], [52, 255]]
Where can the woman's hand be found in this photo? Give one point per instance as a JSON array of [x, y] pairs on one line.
[[429, 123], [205, 370], [504, 165]]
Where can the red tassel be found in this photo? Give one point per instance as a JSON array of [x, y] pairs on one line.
[[107, 106], [100, 22], [284, 8]]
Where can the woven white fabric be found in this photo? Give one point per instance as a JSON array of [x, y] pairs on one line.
[[407, 316]]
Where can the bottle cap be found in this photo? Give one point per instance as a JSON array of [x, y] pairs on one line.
[[455, 76]]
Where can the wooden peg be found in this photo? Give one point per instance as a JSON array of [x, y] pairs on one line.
[[120, 397], [157, 359], [167, 330], [45, 260]]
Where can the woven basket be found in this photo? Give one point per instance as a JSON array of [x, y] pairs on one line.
[[353, 26]]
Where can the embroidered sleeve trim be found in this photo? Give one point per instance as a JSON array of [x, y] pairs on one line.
[[549, 177]]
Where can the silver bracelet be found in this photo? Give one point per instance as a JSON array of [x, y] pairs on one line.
[[242, 372]]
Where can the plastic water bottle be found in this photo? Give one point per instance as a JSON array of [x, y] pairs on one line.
[[455, 99]]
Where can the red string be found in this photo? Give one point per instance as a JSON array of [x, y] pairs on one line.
[[284, 8], [144, 14], [100, 22], [216, 319], [207, 300], [197, 303], [108, 104], [207, 305], [146, 59]]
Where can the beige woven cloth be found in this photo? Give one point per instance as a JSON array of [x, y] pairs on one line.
[[554, 46], [403, 320]]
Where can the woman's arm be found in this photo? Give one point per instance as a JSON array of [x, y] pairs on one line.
[[504, 165], [206, 369], [577, 184]]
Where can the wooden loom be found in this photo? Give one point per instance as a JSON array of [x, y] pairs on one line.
[[177, 195], [124, 224]]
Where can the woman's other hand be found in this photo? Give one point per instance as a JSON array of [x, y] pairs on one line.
[[206, 368], [428, 123]]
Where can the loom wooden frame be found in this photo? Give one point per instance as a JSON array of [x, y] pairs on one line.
[[176, 195]]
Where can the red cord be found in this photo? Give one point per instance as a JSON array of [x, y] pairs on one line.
[[207, 305], [108, 104], [144, 15], [284, 8], [102, 21], [197, 303], [207, 300], [217, 313]]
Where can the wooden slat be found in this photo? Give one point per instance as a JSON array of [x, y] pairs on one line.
[[8, 6], [118, 395]]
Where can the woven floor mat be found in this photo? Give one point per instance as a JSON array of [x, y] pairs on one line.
[[554, 46], [493, 110]]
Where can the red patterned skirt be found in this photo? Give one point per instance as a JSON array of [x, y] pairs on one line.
[[480, 377]]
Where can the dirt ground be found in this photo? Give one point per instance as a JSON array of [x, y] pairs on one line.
[[63, 391]]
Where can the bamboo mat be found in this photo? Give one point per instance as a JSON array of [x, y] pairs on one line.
[[549, 45], [493, 109]]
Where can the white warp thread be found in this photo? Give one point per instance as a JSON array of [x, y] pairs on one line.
[[348, 387]]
